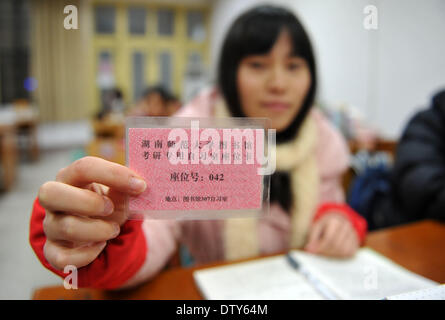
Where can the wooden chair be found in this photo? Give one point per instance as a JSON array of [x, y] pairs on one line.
[[26, 123]]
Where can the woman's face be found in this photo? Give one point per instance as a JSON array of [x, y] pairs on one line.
[[274, 85]]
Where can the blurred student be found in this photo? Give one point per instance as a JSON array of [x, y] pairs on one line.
[[266, 69], [113, 103], [418, 176], [173, 105], [156, 102]]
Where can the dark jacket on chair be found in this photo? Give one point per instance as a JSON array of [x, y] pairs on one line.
[[418, 177]]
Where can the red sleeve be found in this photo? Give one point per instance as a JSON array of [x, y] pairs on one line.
[[118, 262], [358, 222]]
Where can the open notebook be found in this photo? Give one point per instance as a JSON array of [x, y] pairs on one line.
[[435, 293], [368, 275]]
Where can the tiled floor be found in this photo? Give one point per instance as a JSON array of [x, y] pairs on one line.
[[20, 270]]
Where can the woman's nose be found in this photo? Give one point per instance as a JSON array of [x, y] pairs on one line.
[[277, 81]]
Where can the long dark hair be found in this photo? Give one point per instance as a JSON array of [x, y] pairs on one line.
[[255, 32]]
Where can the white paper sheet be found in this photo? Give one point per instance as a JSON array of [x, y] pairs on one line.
[[366, 276], [265, 279], [435, 293]]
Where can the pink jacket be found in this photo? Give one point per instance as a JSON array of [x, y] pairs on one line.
[[151, 243]]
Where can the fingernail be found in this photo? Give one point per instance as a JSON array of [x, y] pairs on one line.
[[108, 206], [102, 244], [117, 230], [137, 185]]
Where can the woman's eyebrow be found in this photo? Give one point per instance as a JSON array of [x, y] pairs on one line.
[[255, 56], [294, 55]]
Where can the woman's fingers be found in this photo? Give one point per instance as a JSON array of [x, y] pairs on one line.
[[57, 196], [78, 229], [351, 245], [330, 231], [91, 169], [85, 208], [120, 214], [60, 256], [337, 241], [314, 236], [332, 235], [340, 241]]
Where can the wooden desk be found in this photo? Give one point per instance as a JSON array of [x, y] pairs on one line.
[[8, 156], [26, 120], [109, 128], [418, 247], [28, 129], [111, 149]]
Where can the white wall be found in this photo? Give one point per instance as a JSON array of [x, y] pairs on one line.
[[411, 53], [386, 73]]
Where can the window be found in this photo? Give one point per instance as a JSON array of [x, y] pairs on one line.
[[105, 72], [15, 51], [135, 45], [165, 63], [138, 74], [165, 22], [136, 20], [194, 65], [195, 26], [105, 18]]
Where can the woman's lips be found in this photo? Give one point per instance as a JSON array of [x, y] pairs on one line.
[[276, 106]]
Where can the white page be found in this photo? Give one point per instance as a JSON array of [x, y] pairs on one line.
[[368, 275], [435, 293], [265, 279]]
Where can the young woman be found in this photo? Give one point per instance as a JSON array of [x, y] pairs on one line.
[[267, 69]]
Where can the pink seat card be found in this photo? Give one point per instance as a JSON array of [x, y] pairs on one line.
[[196, 171]]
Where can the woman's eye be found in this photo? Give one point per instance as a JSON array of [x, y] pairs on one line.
[[256, 65], [293, 66]]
